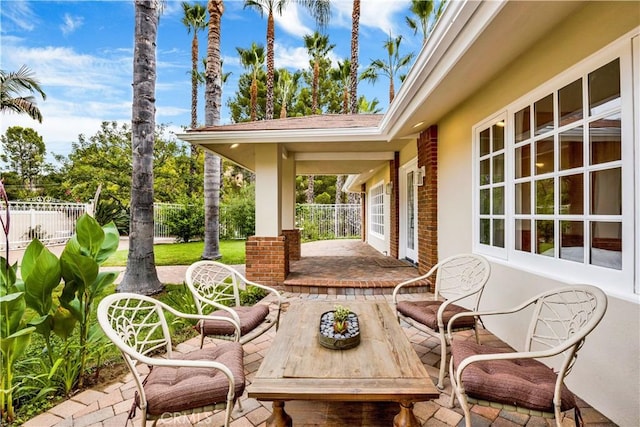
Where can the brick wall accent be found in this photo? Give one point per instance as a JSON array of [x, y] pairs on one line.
[[394, 208], [293, 243], [363, 212], [428, 200], [267, 259]]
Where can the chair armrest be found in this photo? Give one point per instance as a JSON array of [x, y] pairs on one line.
[[486, 313], [446, 303], [235, 320], [399, 286], [266, 288]]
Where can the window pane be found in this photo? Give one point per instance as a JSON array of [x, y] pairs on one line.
[[606, 192], [606, 244], [523, 235], [544, 156], [572, 240], [484, 172], [604, 88], [498, 200], [544, 238], [571, 145], [544, 196], [498, 136], [485, 231], [485, 142], [605, 140], [498, 233], [485, 201], [498, 168], [572, 194], [522, 124], [544, 115], [523, 161], [570, 102], [523, 198]]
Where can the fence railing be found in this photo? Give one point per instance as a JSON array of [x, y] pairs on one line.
[[319, 222], [52, 222]]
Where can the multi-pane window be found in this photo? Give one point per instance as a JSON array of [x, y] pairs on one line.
[[376, 210], [554, 177], [567, 172], [491, 189]]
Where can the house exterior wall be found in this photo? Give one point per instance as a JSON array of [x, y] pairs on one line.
[[608, 362], [381, 244]]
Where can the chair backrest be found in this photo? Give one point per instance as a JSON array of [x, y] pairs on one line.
[[214, 281], [136, 324], [461, 274], [563, 317]]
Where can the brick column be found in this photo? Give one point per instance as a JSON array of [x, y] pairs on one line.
[[292, 237], [428, 200], [267, 259], [394, 206], [363, 212]]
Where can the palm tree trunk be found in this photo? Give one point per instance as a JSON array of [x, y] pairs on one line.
[[355, 25], [268, 114], [140, 275], [310, 189], [392, 90], [314, 88], [339, 184], [194, 109], [213, 96]]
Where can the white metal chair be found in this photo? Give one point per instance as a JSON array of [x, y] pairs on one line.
[[516, 380], [176, 384], [457, 277], [216, 290]]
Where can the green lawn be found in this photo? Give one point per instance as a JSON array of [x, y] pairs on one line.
[[233, 252]]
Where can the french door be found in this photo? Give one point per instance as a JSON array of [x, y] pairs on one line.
[[409, 212]]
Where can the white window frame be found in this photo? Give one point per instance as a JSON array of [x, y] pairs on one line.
[[615, 282], [377, 201]]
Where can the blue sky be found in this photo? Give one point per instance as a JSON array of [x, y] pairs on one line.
[[81, 52]]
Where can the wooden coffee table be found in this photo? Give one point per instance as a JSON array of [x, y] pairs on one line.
[[384, 367]]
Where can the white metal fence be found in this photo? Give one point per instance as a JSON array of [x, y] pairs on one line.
[[319, 222], [52, 222]]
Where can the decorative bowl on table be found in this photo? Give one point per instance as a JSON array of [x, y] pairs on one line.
[[336, 337]]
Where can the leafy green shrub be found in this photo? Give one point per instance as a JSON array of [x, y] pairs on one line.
[[239, 213], [323, 199], [187, 221]]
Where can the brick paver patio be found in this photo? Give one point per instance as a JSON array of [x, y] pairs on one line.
[[108, 406]]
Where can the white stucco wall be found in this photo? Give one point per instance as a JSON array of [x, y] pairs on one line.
[[607, 372]]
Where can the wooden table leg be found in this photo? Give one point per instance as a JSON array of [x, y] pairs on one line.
[[279, 418], [405, 418]]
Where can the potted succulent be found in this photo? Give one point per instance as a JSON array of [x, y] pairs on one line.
[[339, 329]]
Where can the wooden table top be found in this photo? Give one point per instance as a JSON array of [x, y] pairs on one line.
[[383, 367]]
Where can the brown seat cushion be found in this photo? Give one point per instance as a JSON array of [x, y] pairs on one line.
[[250, 318], [174, 389], [426, 312], [527, 383]]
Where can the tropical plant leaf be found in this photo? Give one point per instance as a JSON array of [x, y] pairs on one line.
[[90, 235], [40, 282], [109, 244]]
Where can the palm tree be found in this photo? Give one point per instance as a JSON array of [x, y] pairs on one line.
[[140, 274], [253, 60], [195, 19], [364, 106], [11, 86], [394, 64], [426, 16], [318, 47], [320, 11], [212, 163], [355, 25], [287, 86], [342, 75]]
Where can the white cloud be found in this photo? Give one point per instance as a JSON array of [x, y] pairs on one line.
[[290, 21], [376, 14], [290, 57], [18, 13], [71, 23]]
